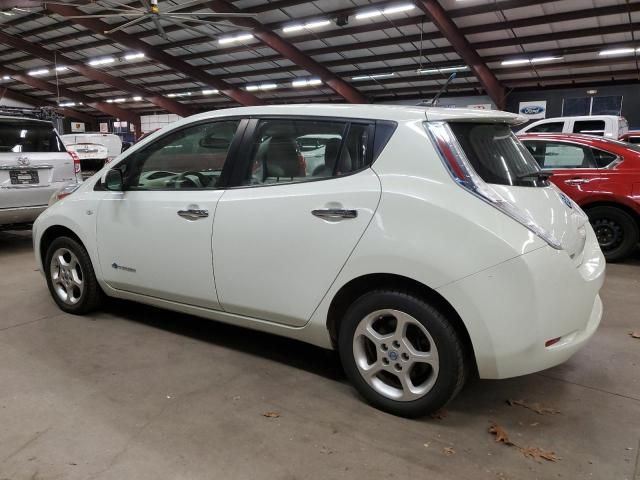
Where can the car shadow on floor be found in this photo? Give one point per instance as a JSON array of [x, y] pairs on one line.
[[264, 345], [15, 242]]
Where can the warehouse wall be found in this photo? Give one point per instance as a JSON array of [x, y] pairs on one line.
[[630, 100]]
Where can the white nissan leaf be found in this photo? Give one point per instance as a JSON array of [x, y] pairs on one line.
[[426, 245]]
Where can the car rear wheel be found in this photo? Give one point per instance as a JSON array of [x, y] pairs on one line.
[[401, 354], [616, 231], [70, 277]]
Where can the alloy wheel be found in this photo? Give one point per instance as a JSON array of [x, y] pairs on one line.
[[396, 355], [67, 276]]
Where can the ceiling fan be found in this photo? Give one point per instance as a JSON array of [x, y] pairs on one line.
[[151, 11]]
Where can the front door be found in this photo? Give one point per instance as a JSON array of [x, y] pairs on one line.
[[282, 235], [154, 238]]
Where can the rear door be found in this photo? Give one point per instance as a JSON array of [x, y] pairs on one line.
[[282, 235], [574, 166], [34, 163]]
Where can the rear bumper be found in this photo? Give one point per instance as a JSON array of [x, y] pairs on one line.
[[511, 310], [20, 215]]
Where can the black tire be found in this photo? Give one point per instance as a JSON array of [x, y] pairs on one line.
[[616, 230], [91, 296], [453, 366]]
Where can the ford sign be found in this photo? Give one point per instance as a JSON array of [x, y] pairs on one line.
[[532, 110]]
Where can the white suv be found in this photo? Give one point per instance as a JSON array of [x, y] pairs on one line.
[[431, 246], [34, 164]]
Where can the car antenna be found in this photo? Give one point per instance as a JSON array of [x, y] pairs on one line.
[[434, 101]]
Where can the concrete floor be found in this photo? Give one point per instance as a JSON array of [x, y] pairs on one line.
[[139, 393]]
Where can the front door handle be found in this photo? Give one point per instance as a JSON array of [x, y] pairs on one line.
[[334, 213], [193, 213], [577, 181]]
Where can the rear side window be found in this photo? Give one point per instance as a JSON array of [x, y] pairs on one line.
[[28, 137], [602, 158], [589, 127], [550, 127], [287, 150], [560, 155], [497, 155]]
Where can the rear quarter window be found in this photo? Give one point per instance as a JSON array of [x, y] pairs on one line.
[[497, 155]]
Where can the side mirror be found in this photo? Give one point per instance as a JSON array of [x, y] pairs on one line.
[[113, 180]]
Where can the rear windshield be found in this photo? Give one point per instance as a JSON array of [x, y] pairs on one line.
[[28, 137], [497, 155]]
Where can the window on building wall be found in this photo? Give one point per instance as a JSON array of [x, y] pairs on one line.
[[602, 105]]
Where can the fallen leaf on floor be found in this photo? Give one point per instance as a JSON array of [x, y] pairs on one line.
[[271, 414], [501, 434], [326, 450], [440, 414], [426, 445], [538, 453], [448, 451], [635, 334], [536, 407]]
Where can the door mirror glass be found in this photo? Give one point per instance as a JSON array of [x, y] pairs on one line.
[[113, 180]]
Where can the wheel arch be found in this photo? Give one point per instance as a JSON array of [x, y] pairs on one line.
[[358, 286], [612, 204], [50, 234]]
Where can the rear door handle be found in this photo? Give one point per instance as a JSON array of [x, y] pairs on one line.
[[577, 181], [193, 213], [334, 213]]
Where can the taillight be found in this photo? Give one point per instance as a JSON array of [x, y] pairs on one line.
[[463, 173], [64, 192], [552, 341], [76, 164]]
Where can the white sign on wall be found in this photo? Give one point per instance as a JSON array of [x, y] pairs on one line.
[[480, 106], [533, 110], [77, 126], [104, 128]]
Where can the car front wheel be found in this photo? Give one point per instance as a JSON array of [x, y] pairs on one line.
[[401, 354], [70, 277]]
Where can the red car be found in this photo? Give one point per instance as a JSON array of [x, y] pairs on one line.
[[600, 175]]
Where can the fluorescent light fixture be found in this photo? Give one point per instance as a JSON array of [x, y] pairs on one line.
[[119, 100], [182, 94], [263, 86], [67, 104], [517, 61], [309, 25], [545, 59], [41, 71], [137, 99], [133, 56], [61, 69], [6, 77], [8, 14], [398, 9], [101, 61], [429, 71], [304, 82], [522, 61], [618, 51], [209, 92], [386, 11], [110, 100], [368, 14], [236, 38], [371, 77]]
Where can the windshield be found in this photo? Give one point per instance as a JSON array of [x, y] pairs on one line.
[[497, 155], [28, 137]]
